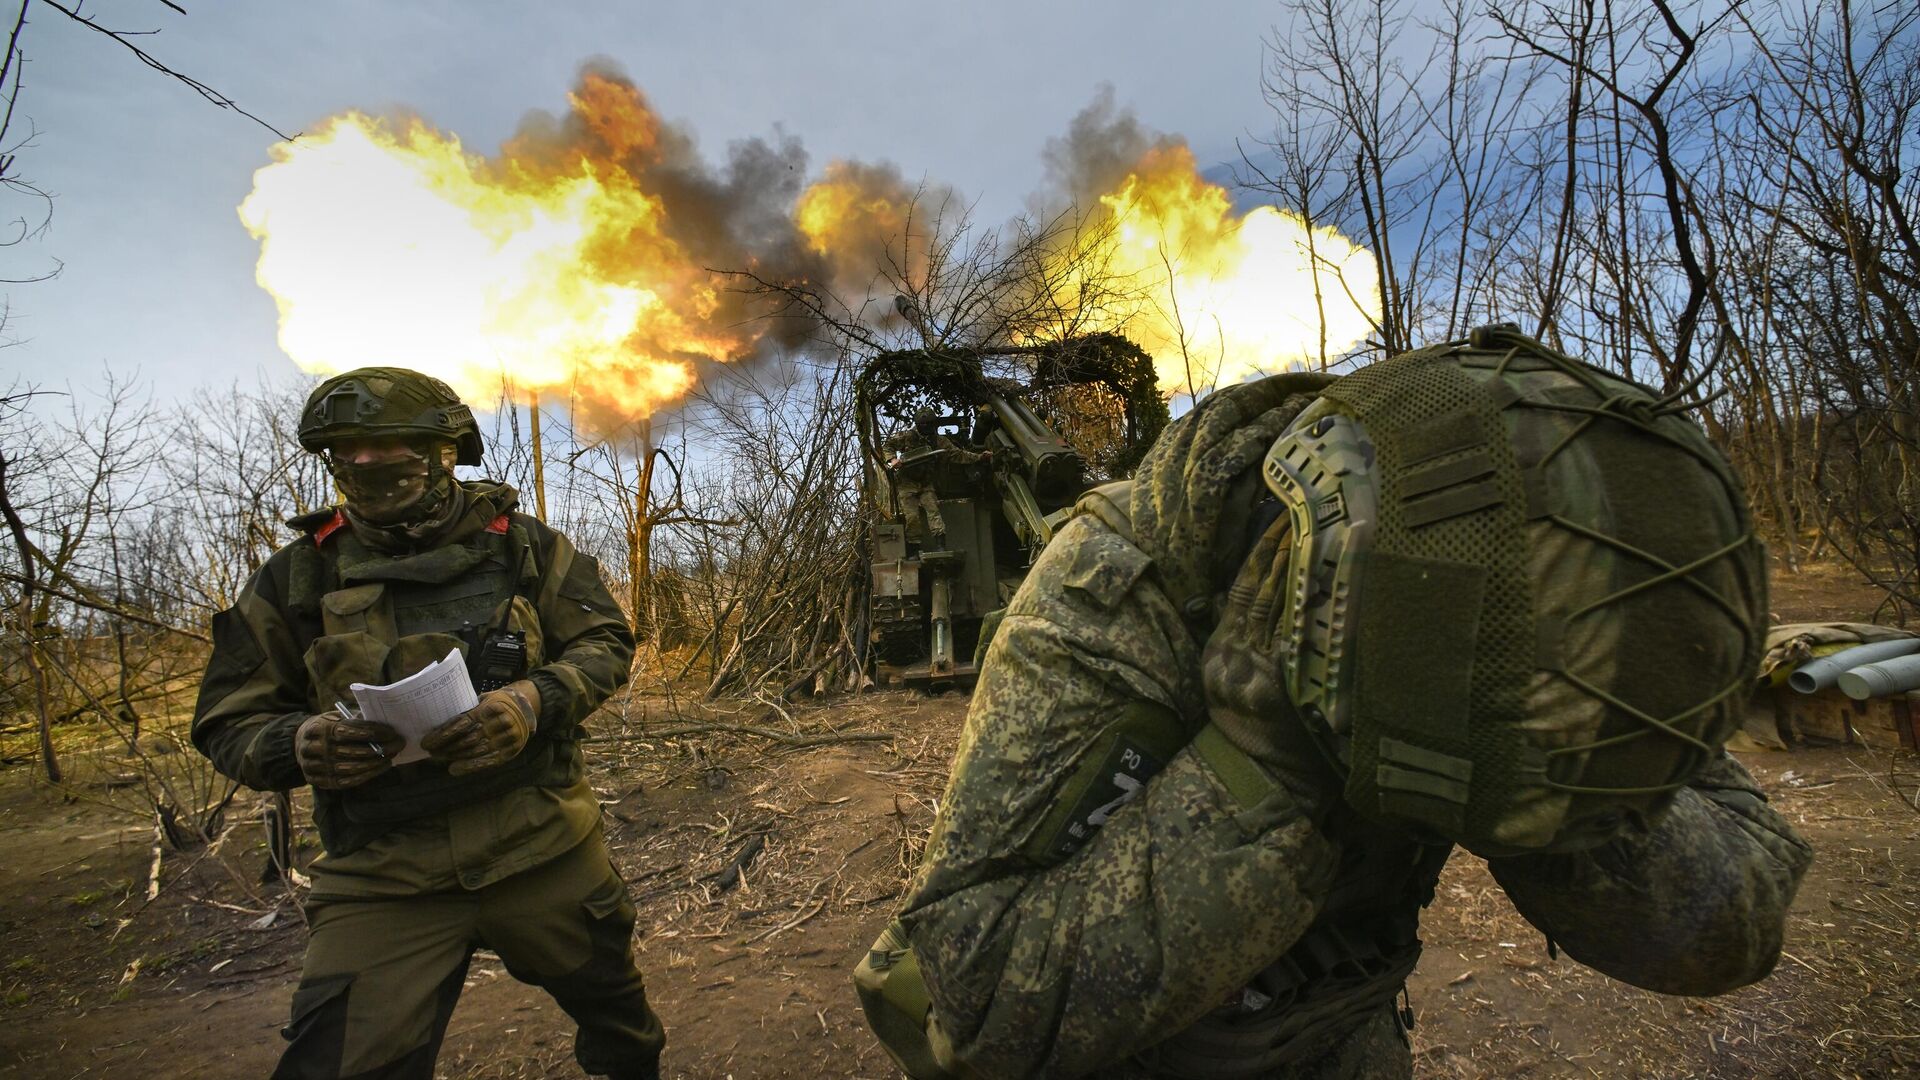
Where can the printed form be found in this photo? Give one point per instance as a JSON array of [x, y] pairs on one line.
[[420, 702]]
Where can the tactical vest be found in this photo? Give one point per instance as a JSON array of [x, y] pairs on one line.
[[382, 618]]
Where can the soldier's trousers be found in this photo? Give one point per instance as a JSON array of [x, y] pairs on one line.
[[381, 976], [934, 526]]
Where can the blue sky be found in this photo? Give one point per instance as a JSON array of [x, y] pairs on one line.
[[158, 272]]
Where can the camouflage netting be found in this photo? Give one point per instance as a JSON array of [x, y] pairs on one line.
[[1102, 394], [1099, 391]]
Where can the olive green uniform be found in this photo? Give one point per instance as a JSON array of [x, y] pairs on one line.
[[1110, 890], [914, 479], [421, 867]]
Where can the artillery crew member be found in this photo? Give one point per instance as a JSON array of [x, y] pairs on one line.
[[494, 841], [915, 455], [1244, 707]]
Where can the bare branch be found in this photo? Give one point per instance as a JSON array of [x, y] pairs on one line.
[[198, 87]]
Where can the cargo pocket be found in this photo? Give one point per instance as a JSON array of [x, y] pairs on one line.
[[347, 610], [317, 1032], [894, 996], [350, 651], [336, 661], [1104, 569], [611, 911], [609, 917]]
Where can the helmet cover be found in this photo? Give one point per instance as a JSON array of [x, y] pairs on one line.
[[375, 401], [1525, 595]]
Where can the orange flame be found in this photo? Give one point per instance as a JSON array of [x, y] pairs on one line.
[[389, 243], [1230, 295], [859, 217], [574, 261], [1213, 295]]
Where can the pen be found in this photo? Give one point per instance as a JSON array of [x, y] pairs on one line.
[[341, 708]]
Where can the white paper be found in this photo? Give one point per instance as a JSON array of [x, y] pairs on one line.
[[420, 702]]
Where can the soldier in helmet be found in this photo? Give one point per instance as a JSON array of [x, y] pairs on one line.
[[1244, 707], [493, 841], [916, 454]]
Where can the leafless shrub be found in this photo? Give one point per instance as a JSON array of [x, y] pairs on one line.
[[1712, 197]]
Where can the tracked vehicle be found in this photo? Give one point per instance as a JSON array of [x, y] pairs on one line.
[[971, 460]]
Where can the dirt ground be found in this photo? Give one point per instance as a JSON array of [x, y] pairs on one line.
[[750, 969]]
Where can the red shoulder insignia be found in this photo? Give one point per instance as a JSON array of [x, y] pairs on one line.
[[333, 525], [498, 526]]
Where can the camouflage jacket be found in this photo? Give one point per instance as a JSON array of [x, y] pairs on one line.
[[280, 656], [909, 452], [1059, 935]]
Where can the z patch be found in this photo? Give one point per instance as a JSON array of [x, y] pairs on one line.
[[1120, 778]]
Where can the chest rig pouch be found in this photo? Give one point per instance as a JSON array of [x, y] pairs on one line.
[[384, 618]]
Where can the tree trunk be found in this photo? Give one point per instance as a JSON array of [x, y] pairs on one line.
[[639, 542], [539, 457], [29, 643]]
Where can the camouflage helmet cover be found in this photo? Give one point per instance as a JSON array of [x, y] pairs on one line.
[[374, 401], [1524, 597]]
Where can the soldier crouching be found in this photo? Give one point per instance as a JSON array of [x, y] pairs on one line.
[[1244, 708], [493, 841]]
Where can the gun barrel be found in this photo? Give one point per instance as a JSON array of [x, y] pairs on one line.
[[1895, 676], [1053, 467], [1817, 675]]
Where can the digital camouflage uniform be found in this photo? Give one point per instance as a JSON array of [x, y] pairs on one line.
[[1111, 889], [420, 866]]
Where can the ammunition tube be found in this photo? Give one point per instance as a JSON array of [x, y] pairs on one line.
[[1817, 675], [1895, 676]]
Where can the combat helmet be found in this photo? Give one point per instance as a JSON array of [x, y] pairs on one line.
[[1524, 598], [388, 401]]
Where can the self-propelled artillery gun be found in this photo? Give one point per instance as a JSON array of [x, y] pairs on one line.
[[971, 459]]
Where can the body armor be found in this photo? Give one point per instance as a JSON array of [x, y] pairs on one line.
[[381, 618]]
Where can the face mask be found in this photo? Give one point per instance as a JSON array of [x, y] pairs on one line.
[[392, 492]]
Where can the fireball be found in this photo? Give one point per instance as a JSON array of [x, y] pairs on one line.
[[1212, 294], [387, 242], [1230, 295], [581, 258]]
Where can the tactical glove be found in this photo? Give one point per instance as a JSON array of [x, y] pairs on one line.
[[1245, 679], [336, 751], [491, 733]]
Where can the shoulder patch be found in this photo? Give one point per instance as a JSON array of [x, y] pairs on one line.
[[1138, 743], [498, 526]]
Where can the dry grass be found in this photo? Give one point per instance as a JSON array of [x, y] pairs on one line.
[[762, 864]]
